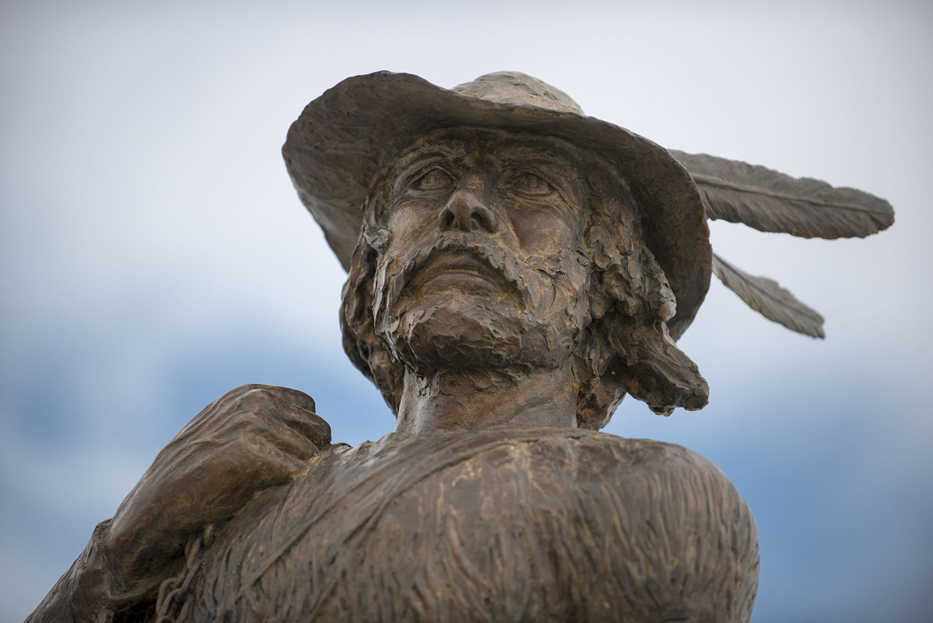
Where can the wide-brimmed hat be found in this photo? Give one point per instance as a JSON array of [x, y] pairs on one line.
[[345, 137]]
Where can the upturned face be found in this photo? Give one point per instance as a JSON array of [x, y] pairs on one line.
[[483, 264]]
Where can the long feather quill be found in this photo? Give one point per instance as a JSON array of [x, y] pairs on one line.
[[774, 202], [768, 298]]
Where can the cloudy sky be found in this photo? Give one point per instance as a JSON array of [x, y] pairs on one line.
[[153, 253]]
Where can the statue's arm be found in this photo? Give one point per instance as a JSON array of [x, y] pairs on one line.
[[254, 437]]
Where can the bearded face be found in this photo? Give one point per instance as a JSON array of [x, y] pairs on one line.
[[482, 263], [484, 250]]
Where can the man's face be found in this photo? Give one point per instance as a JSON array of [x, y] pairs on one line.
[[484, 264]]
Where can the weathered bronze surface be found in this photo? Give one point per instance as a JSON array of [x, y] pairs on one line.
[[515, 268]]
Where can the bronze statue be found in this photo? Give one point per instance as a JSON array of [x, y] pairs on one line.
[[515, 268]]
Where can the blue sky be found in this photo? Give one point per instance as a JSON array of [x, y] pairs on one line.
[[153, 253]]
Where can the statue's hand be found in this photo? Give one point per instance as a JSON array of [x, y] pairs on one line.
[[254, 437]]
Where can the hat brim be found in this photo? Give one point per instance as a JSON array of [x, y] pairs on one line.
[[345, 137]]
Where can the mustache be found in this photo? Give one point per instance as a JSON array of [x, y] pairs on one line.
[[502, 265]]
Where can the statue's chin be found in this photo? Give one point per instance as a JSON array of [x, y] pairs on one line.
[[446, 337]]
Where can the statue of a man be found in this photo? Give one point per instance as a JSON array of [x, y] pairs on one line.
[[515, 268]]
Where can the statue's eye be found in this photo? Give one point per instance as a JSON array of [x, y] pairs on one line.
[[531, 184], [434, 179]]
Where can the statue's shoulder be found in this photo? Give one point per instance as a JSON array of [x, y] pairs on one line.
[[637, 457]]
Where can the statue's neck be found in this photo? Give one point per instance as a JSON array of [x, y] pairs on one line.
[[476, 400]]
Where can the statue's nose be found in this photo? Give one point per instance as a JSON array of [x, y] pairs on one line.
[[465, 211]]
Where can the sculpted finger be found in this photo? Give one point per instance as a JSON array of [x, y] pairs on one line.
[[300, 413], [295, 408], [293, 397], [275, 461], [276, 431], [309, 424]]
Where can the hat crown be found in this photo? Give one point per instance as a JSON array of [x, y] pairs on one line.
[[516, 88]]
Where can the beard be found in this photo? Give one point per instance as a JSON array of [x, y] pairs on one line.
[[528, 314]]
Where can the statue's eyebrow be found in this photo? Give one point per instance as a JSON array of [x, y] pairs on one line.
[[544, 154], [405, 166], [537, 160], [425, 151]]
